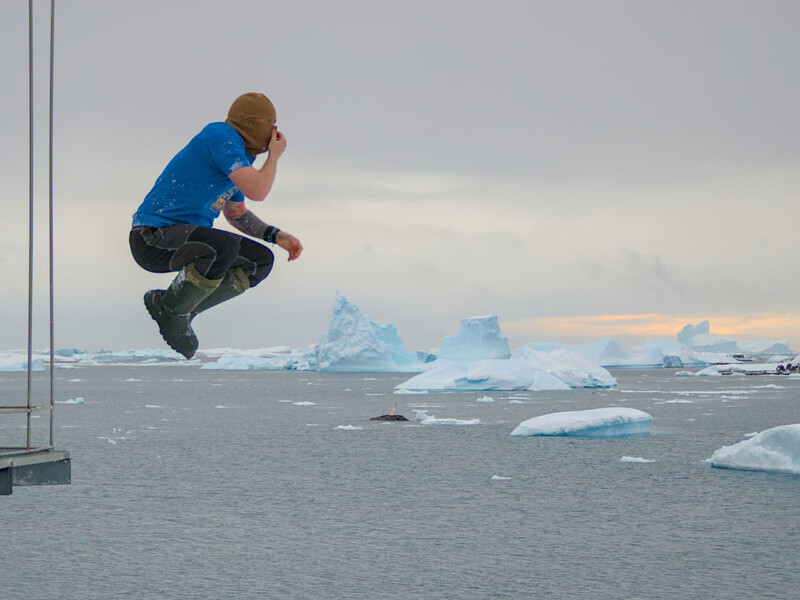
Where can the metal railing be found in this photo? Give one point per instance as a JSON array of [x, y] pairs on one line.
[[29, 408]]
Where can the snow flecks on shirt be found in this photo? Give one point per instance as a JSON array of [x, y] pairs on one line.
[[195, 184]]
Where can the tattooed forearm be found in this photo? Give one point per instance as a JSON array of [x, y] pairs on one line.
[[250, 224]]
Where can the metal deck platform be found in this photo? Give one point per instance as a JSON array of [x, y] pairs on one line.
[[20, 466]]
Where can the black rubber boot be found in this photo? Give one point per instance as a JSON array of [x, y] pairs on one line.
[[233, 284], [172, 308]]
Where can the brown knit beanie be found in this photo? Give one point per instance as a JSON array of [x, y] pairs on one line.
[[252, 115]]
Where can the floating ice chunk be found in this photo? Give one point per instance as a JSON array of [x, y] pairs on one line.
[[597, 422], [499, 478], [349, 427], [634, 459], [419, 414], [306, 403], [776, 449], [78, 400], [485, 399], [435, 421], [404, 391], [152, 406], [425, 419], [354, 343], [479, 338]]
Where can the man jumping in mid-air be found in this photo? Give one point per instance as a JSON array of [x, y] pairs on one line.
[[172, 229]]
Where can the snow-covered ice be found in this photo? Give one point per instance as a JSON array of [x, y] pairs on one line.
[[571, 368], [425, 419], [776, 449], [634, 459], [597, 422]]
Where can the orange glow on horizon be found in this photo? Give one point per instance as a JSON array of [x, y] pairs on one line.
[[776, 327]]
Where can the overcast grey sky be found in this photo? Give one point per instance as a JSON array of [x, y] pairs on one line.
[[553, 163]]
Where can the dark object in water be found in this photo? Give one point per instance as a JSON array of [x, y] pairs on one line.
[[390, 417]]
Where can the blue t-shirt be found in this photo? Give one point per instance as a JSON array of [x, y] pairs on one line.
[[195, 184]]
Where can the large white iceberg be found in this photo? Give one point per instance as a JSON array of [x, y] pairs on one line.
[[19, 362], [571, 368], [482, 375], [354, 343], [597, 422], [610, 354], [776, 449], [477, 339], [477, 358], [699, 337]]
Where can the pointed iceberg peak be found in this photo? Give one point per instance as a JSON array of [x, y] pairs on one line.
[[355, 343], [479, 338]]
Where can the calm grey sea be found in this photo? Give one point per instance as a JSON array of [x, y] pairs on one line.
[[215, 484]]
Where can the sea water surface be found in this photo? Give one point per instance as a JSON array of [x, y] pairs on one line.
[[200, 484]]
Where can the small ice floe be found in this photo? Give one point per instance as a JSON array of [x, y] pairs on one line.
[[425, 419], [485, 399], [113, 442], [349, 427], [77, 400], [405, 391], [635, 459], [675, 402], [75, 380], [152, 406], [132, 379], [305, 403], [499, 478], [435, 421], [517, 402], [776, 449], [221, 406], [597, 422], [752, 434]]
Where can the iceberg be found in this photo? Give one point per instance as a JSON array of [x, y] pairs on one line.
[[571, 368], [354, 343], [776, 449], [699, 337], [483, 375], [609, 353], [19, 362], [478, 338], [594, 423]]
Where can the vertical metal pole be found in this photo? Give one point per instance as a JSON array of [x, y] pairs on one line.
[[30, 213], [52, 311]]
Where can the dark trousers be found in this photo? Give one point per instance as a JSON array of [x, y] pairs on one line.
[[213, 252]]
